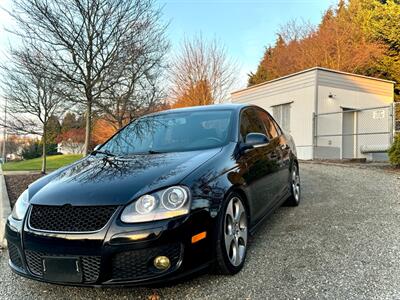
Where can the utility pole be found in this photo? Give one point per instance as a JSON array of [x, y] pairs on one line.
[[4, 133]]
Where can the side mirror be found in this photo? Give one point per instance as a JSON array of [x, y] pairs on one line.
[[255, 140]]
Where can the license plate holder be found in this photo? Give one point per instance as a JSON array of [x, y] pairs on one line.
[[62, 269]]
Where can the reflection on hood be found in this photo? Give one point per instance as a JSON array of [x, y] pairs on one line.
[[101, 180]]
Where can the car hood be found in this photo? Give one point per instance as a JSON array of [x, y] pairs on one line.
[[99, 180]]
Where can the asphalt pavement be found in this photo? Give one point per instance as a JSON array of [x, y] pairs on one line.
[[342, 242]]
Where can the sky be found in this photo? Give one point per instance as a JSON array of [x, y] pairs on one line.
[[244, 27]]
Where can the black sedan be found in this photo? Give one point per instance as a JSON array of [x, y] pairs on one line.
[[171, 193]]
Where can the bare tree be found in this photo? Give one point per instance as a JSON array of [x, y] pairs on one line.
[[201, 73], [127, 102], [137, 89], [31, 96], [83, 42]]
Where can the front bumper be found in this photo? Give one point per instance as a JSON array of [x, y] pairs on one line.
[[119, 254]]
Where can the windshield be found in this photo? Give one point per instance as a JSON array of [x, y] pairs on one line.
[[174, 132]]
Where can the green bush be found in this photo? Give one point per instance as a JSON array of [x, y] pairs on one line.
[[32, 150], [35, 150], [51, 149], [394, 152]]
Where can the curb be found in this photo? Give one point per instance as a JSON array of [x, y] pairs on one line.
[[5, 209], [383, 167], [325, 163], [21, 172]]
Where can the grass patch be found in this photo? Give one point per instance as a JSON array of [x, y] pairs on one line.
[[53, 162]]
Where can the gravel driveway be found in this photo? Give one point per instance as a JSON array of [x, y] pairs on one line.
[[342, 242]]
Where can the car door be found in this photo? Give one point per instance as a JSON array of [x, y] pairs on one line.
[[282, 149], [261, 165]]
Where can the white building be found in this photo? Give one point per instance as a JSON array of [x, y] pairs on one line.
[[70, 147], [330, 114]]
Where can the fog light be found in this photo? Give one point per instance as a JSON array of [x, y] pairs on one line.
[[162, 263]]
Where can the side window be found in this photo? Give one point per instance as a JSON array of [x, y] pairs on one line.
[[270, 127], [250, 122], [278, 129]]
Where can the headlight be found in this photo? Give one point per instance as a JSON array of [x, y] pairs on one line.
[[164, 204], [145, 204], [174, 198], [21, 206]]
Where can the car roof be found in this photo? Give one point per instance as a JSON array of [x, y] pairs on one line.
[[213, 107]]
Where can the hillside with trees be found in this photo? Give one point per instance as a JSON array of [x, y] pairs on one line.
[[357, 36]]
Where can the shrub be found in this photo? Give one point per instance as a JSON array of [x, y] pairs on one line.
[[35, 150], [32, 150], [394, 152], [51, 149]]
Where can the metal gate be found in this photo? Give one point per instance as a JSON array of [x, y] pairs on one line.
[[356, 133]]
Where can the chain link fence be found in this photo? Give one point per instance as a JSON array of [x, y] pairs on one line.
[[396, 117], [356, 133]]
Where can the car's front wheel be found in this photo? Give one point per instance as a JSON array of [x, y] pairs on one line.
[[231, 242], [294, 185]]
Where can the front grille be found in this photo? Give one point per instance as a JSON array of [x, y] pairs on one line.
[[137, 264], [34, 261], [90, 265], [70, 218], [91, 268], [15, 257]]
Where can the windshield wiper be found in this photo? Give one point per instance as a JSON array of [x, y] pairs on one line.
[[106, 152]]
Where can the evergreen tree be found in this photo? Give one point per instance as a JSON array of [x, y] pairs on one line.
[[381, 21], [339, 42], [69, 122], [53, 129]]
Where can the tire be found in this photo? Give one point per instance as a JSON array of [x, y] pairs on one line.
[[231, 236], [295, 187]]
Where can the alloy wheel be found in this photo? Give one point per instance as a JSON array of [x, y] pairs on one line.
[[296, 184], [235, 231]]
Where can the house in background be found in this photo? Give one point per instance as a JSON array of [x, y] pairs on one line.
[[330, 114], [70, 147], [71, 141]]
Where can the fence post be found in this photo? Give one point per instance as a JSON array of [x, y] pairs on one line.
[[396, 119], [392, 127], [356, 135], [315, 133]]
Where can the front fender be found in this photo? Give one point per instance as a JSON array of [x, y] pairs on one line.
[[213, 181]]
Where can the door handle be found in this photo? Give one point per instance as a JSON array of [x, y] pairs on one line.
[[274, 156], [285, 147]]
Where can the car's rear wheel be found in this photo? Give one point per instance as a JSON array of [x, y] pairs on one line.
[[231, 243], [295, 190]]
